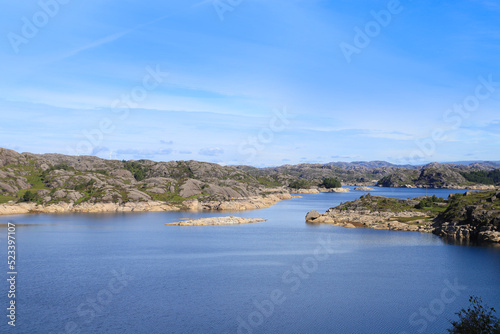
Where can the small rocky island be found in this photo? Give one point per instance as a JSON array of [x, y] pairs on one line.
[[472, 216], [231, 220]]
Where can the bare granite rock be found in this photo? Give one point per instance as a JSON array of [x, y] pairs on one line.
[[191, 188], [312, 215], [136, 195], [363, 188], [231, 220]]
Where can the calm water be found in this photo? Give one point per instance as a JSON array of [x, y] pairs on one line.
[[130, 273]]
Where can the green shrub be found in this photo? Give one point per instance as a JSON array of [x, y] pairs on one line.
[[477, 319], [428, 202], [136, 168], [29, 197], [483, 177], [330, 182], [299, 184]]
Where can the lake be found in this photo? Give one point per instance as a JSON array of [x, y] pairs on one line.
[[129, 273]]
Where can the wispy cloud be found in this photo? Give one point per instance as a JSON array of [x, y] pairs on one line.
[[211, 152], [144, 152]]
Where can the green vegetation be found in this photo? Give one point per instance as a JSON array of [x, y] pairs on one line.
[[102, 171], [83, 186], [136, 168], [299, 184], [66, 167], [169, 197], [90, 192], [5, 199], [182, 171], [457, 206], [330, 182], [59, 167], [477, 319], [268, 181], [483, 177], [432, 203], [29, 197], [376, 203]]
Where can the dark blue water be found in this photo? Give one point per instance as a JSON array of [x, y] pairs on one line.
[[129, 273]]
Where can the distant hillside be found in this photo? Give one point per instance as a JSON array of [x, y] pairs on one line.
[[437, 175], [433, 175], [347, 173], [494, 164], [54, 178]]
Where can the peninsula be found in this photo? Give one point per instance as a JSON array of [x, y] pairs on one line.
[[471, 216]]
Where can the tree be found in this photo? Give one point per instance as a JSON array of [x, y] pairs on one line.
[[428, 202], [330, 182], [29, 197], [299, 184], [477, 319], [136, 168]]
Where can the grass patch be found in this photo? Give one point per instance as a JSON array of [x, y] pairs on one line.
[[167, 197], [268, 182], [5, 199]]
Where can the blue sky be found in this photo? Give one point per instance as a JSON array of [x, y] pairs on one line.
[[254, 82]]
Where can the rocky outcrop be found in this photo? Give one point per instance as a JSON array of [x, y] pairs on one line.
[[435, 175], [400, 178], [24, 208], [305, 191], [363, 188], [243, 204], [319, 190], [473, 216], [375, 220], [312, 215], [231, 220], [334, 190]]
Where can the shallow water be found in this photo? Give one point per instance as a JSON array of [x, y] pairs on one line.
[[279, 276]]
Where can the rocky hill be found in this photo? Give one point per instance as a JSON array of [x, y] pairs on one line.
[[357, 173], [54, 178], [472, 216], [433, 175]]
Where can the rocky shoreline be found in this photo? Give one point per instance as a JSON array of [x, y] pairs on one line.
[[468, 187], [242, 204], [231, 220], [376, 220], [472, 216], [319, 190]]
